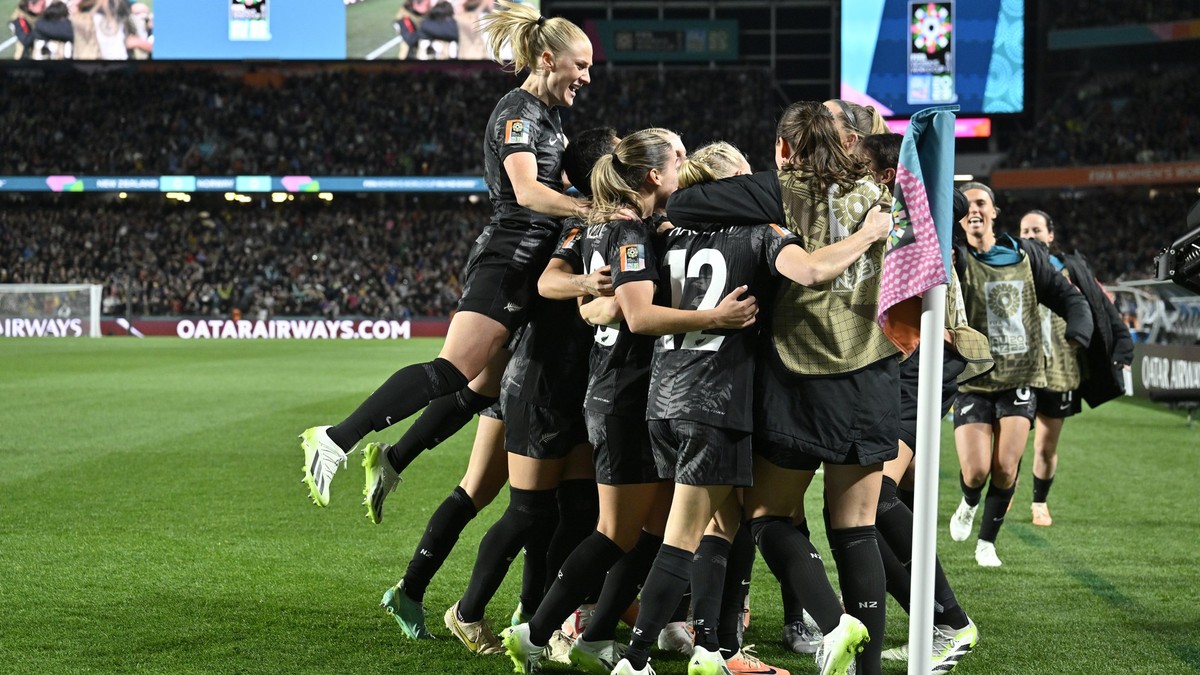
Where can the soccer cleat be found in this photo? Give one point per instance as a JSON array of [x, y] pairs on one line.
[[381, 479], [477, 635], [704, 662], [985, 554], [526, 656], [962, 520], [624, 667], [409, 613], [578, 622], [520, 616], [746, 662], [962, 641], [949, 646], [1041, 514], [598, 658], [559, 649], [675, 637], [321, 459], [800, 638], [836, 654]]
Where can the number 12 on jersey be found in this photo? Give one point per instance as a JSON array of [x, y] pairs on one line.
[[681, 270]]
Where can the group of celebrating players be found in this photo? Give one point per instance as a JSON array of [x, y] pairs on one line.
[[656, 427]]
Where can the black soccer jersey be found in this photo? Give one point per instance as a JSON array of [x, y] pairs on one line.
[[521, 123], [550, 366], [708, 376], [619, 373]]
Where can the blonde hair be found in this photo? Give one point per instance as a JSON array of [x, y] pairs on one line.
[[618, 175], [528, 32], [713, 161]]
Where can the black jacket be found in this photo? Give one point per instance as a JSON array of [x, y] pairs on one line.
[[1111, 348]]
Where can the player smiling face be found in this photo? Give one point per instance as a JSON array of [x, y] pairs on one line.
[[568, 72], [980, 215]]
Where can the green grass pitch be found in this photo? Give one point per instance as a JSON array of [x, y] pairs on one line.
[[152, 520]]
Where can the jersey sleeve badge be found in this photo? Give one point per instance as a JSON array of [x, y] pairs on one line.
[[633, 258], [516, 132]]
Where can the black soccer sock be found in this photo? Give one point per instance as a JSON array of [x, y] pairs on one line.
[[621, 588], [737, 587], [995, 506], [526, 509], [898, 576], [442, 418], [1041, 489], [665, 585], [860, 572], [894, 521], [535, 572], [906, 497], [953, 617], [578, 509], [683, 606], [405, 392], [708, 584], [582, 572], [970, 494], [792, 559], [793, 604], [441, 534]]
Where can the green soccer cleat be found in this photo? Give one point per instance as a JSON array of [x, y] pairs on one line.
[[381, 479], [526, 657], [407, 612], [836, 654]]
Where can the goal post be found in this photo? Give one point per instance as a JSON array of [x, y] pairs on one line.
[[50, 310]]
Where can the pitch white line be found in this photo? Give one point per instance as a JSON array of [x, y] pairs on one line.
[[375, 54], [8, 43]]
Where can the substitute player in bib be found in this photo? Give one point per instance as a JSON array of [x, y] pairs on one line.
[[1003, 280], [523, 169], [1065, 372]]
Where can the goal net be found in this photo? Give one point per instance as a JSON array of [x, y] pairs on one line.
[[50, 310]]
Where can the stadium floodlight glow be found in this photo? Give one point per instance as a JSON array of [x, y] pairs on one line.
[[179, 196], [279, 197], [244, 199], [327, 196], [122, 195], [963, 177], [230, 196]]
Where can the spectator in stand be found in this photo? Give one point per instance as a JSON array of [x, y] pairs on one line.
[[21, 24]]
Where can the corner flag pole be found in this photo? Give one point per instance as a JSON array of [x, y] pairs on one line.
[[925, 499]]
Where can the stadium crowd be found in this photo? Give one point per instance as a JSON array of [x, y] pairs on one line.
[[1090, 14], [388, 261], [1097, 120], [345, 122]]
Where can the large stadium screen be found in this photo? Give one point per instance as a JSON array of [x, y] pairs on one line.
[[902, 56], [200, 30]]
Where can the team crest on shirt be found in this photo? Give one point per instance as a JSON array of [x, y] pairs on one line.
[[633, 258], [516, 132]]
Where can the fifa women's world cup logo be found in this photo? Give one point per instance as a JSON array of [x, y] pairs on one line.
[[1005, 317]]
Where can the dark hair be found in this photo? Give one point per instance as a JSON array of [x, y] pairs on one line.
[[973, 185], [1039, 212], [883, 150], [582, 152], [56, 11], [810, 130], [441, 11]]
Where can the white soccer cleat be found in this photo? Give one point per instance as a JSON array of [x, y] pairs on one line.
[[597, 658], [704, 662], [675, 637], [321, 460], [962, 520], [624, 667], [985, 554], [800, 638]]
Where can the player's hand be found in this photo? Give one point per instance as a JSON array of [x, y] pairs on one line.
[[664, 226], [878, 223], [599, 282], [735, 311]]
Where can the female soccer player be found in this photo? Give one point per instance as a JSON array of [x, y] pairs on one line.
[[1061, 397], [1003, 280], [552, 387], [522, 161], [826, 385]]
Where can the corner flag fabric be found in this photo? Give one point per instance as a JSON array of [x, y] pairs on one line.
[[918, 249]]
